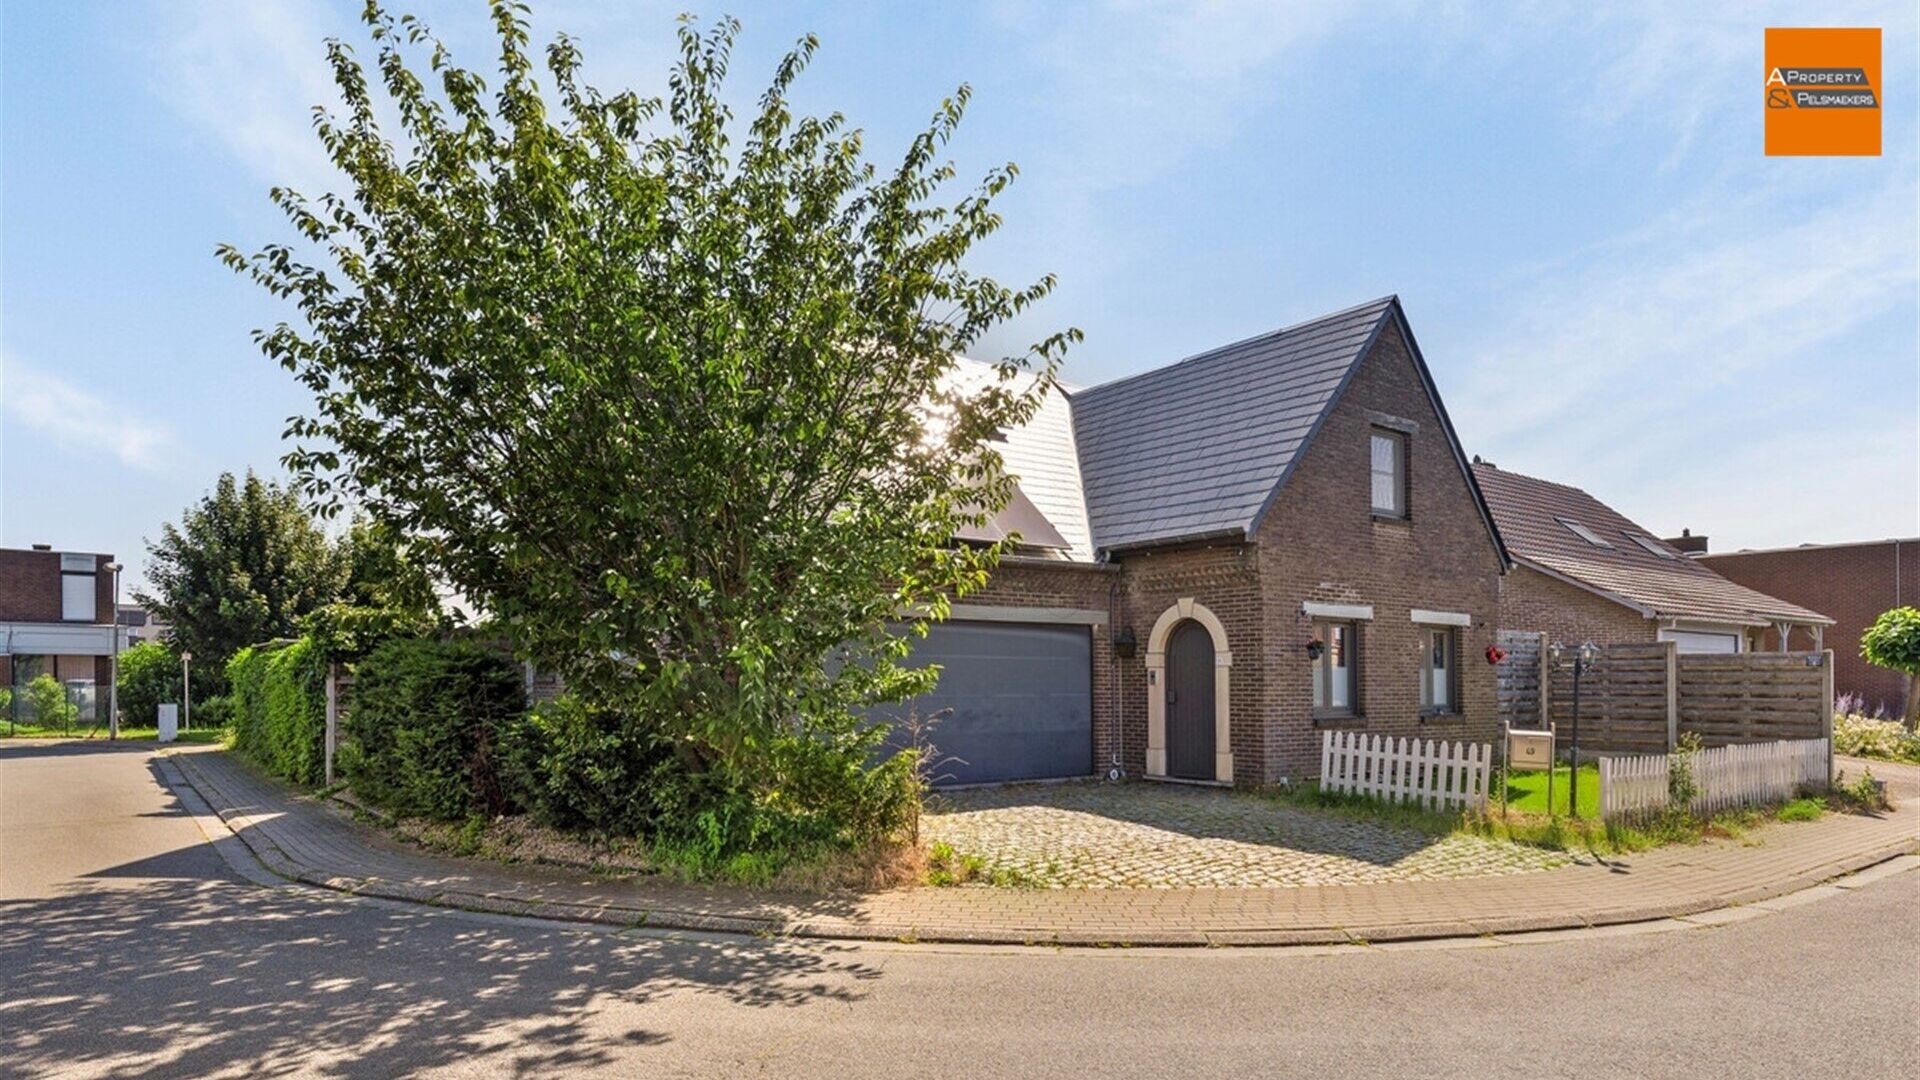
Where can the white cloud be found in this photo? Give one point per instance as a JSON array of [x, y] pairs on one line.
[[249, 75], [79, 421], [1689, 370]]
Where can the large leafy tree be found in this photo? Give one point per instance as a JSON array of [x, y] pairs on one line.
[[651, 388], [1893, 641], [243, 566]]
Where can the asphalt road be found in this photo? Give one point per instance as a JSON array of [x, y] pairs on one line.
[[129, 946]]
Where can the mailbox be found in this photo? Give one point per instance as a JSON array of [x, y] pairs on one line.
[[1529, 749]]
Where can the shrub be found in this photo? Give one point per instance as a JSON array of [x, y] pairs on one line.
[[576, 766], [47, 700], [426, 726], [149, 677], [280, 708], [215, 712], [1861, 736]]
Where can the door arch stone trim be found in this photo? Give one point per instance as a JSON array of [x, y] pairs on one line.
[[1156, 659]]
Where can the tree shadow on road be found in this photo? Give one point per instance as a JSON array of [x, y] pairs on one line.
[[163, 966]]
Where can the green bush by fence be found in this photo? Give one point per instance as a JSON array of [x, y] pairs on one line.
[[149, 677], [424, 735], [280, 708]]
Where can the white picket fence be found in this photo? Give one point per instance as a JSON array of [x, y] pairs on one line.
[[1426, 771], [1724, 777]]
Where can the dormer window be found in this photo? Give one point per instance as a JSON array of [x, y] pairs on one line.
[[1389, 465], [1653, 549], [1583, 532]]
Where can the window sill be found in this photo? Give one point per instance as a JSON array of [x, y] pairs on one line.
[[1441, 716], [1397, 519], [1340, 720]]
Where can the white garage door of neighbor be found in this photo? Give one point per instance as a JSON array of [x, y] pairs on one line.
[[1701, 641]]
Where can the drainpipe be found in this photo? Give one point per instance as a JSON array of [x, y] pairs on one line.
[[1116, 770]]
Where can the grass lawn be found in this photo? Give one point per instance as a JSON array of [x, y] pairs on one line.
[[1527, 792], [82, 732]]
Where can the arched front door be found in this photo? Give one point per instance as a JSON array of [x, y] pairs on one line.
[[1190, 719]]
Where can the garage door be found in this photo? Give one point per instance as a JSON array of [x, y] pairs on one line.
[[1019, 700], [1701, 641]]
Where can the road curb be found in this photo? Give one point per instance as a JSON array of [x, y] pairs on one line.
[[1695, 914]]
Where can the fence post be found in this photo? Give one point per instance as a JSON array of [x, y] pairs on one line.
[[1673, 695], [1546, 716], [333, 716], [1826, 707]]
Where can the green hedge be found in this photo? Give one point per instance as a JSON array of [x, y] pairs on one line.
[[423, 737], [279, 697]]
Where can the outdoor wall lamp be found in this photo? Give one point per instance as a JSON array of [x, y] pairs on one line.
[[1125, 645]]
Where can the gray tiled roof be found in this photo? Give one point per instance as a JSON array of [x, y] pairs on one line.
[[1195, 449]]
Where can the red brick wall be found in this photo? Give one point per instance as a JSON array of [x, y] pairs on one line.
[[1531, 601], [1851, 585], [1321, 542]]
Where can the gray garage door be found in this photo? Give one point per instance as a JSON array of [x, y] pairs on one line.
[[1021, 700]]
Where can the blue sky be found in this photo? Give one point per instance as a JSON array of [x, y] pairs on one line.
[[1612, 284]]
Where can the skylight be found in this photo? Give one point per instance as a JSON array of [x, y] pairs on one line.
[[1653, 549], [1583, 532]]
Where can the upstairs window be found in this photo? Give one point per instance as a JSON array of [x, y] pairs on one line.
[[1583, 532], [1389, 465], [1653, 549], [78, 598]]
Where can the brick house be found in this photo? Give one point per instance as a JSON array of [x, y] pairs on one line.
[[1584, 572], [1222, 558], [1854, 583], [57, 618]]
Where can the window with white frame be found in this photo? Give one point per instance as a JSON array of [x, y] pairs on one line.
[[1334, 683], [1388, 450], [1439, 668]]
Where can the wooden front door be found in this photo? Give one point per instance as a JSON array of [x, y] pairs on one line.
[[1189, 693]]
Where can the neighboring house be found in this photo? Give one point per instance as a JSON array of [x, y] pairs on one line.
[[1231, 554], [1583, 572], [1854, 583], [141, 625], [56, 618]]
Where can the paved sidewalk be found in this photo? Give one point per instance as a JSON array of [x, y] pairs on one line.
[[303, 839]]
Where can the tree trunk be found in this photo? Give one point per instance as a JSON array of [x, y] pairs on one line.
[[1913, 703]]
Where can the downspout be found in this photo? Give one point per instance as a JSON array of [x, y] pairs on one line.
[[1116, 770]]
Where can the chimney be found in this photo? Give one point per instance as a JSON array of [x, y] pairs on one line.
[[1687, 543], [43, 547]]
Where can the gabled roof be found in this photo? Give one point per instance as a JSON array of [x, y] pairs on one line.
[[1199, 449], [1041, 458], [1534, 516], [1195, 449]]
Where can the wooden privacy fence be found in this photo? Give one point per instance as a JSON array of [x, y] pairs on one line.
[[1517, 678], [1624, 699], [1748, 774], [1639, 699], [1429, 772]]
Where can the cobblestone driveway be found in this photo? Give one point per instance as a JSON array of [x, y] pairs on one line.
[[1152, 835]]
